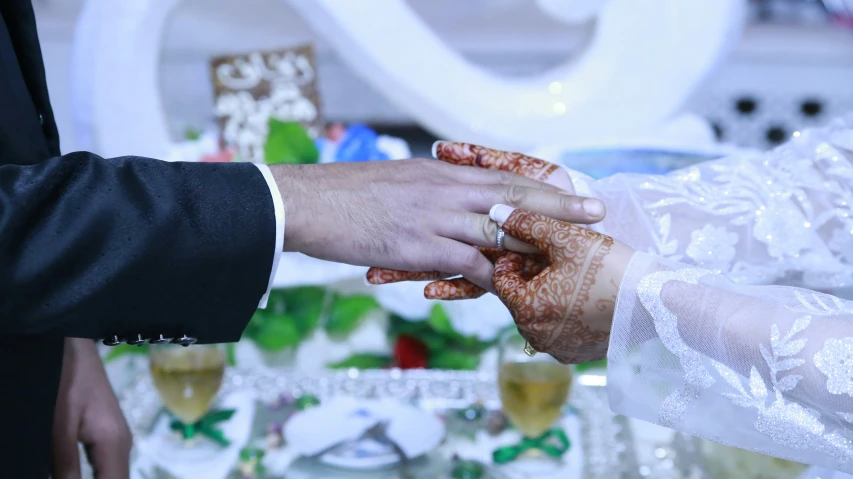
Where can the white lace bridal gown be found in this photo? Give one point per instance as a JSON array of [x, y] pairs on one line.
[[713, 334]]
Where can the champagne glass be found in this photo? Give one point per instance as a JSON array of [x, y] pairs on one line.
[[533, 390], [187, 378]]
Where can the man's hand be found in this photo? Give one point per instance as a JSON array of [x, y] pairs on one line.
[[411, 215], [87, 411]]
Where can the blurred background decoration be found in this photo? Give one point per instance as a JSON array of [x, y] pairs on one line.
[[601, 86], [788, 69]]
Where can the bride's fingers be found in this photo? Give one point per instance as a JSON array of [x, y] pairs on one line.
[[378, 276], [453, 289], [509, 283], [533, 265], [387, 276], [461, 288], [467, 154], [473, 155]]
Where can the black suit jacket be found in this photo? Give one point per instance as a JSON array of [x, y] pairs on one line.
[[93, 247]]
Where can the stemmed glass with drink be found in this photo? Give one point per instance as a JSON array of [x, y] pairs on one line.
[[187, 378], [533, 391]]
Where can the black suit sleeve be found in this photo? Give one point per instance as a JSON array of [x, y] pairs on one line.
[[93, 247]]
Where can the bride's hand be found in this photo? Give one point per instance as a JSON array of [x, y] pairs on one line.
[[567, 309], [465, 154]]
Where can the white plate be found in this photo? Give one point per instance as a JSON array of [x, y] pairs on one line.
[[417, 432]]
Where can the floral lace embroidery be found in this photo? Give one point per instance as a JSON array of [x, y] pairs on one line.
[[786, 423], [768, 198], [713, 247], [835, 361]]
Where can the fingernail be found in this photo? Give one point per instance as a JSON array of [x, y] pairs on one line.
[[435, 148], [593, 207], [500, 213], [365, 279]]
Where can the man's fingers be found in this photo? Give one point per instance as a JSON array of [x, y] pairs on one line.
[[466, 154], [109, 458], [464, 260], [509, 283], [479, 230], [453, 289], [66, 455], [570, 208], [388, 276]]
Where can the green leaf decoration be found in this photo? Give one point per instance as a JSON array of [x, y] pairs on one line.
[[230, 354], [277, 333], [450, 359], [397, 326], [363, 361], [304, 304], [433, 340], [440, 322], [124, 349], [290, 317], [249, 453], [601, 363], [346, 313], [289, 143], [192, 134]]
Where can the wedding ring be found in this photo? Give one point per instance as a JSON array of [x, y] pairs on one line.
[[528, 349], [499, 238]]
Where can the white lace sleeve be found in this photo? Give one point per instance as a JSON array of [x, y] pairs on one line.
[[781, 217], [766, 368]]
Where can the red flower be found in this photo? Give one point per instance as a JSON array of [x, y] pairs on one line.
[[409, 353]]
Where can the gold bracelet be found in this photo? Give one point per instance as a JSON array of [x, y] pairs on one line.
[[528, 349]]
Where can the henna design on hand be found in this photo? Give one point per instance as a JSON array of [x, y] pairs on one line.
[[453, 289], [552, 309], [461, 288], [466, 154], [387, 276]]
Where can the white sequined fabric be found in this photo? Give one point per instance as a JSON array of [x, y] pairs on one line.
[[723, 328]]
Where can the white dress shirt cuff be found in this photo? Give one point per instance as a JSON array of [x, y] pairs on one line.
[[278, 205]]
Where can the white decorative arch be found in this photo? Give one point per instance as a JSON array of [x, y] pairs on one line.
[[646, 58]]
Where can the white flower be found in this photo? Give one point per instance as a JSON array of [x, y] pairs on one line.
[[194, 150], [483, 317], [712, 247], [307, 359], [395, 148], [405, 299], [835, 361], [371, 336]]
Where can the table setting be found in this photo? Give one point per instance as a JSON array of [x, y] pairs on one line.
[[371, 423], [193, 416]]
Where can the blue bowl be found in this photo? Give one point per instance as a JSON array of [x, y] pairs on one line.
[[606, 162]]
